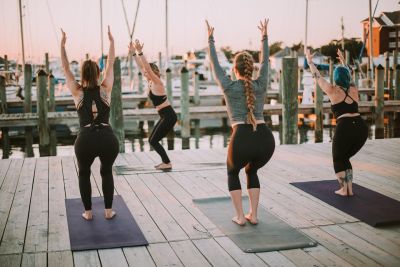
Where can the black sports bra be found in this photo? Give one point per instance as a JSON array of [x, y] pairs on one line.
[[157, 99], [342, 107], [92, 96]]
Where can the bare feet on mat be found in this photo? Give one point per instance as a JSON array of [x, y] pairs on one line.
[[87, 215], [109, 214], [343, 192], [249, 217], [163, 166], [238, 220]]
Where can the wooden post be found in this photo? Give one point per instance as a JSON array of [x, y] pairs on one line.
[[140, 86], [390, 84], [87, 56], [196, 97], [159, 61], [47, 64], [289, 99], [347, 57], [7, 76], [300, 80], [280, 87], [52, 108], [397, 83], [3, 108], [185, 116], [331, 70], [369, 76], [116, 116], [28, 108], [130, 70], [379, 103], [169, 86], [386, 55], [42, 109], [318, 105]]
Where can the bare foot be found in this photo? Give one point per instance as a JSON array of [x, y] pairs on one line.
[[250, 218], [240, 221], [163, 166], [109, 214], [87, 215], [343, 192]]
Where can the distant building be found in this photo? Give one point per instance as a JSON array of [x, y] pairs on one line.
[[385, 33]]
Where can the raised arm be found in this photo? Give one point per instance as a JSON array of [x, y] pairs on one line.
[[222, 79], [325, 85], [263, 73], [144, 65], [109, 74], [72, 85]]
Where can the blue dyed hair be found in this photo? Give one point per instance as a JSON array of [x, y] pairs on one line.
[[342, 77]]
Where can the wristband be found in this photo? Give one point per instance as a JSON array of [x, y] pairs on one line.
[[140, 54]]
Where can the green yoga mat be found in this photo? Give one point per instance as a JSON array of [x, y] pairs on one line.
[[270, 234]]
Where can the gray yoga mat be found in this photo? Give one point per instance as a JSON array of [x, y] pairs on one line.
[[193, 166], [99, 233], [270, 234]]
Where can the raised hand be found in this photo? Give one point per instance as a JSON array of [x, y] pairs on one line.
[[63, 38], [131, 48], [110, 37], [308, 56], [210, 30], [138, 46], [341, 57], [263, 27]]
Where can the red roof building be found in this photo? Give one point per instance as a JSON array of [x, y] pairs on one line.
[[385, 33]]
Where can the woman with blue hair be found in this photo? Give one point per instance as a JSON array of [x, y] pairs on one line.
[[351, 130]]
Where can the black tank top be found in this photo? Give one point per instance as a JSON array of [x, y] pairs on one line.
[[341, 108], [92, 96], [157, 99]]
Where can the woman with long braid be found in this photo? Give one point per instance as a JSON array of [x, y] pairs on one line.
[[252, 144], [158, 96], [95, 138], [351, 131]]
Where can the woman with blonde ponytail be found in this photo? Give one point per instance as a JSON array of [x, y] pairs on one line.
[[252, 144]]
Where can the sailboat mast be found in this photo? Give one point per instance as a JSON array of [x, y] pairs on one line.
[[22, 34], [371, 62], [342, 33], [166, 35], [305, 38], [101, 30]]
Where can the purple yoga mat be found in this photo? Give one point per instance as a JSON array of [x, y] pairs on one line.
[[366, 205]]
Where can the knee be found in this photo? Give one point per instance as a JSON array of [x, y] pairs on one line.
[[252, 178], [233, 179], [105, 171], [153, 141], [84, 172]]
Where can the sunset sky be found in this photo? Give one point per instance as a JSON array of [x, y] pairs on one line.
[[235, 24]]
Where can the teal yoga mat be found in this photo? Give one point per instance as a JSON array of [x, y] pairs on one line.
[[270, 234]]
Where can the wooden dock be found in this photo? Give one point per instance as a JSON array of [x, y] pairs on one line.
[[34, 230], [199, 112]]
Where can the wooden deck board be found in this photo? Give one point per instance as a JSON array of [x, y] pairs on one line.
[[34, 230]]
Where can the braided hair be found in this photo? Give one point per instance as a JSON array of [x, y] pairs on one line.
[[244, 65]]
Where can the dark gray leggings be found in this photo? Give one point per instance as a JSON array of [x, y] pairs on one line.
[[91, 143], [249, 150]]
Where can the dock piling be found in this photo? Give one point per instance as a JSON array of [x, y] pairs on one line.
[[42, 110], [28, 108], [169, 86], [330, 71], [390, 84], [289, 99], [185, 116], [116, 117], [140, 83], [196, 98], [319, 122], [379, 101], [3, 108], [397, 83], [52, 108]]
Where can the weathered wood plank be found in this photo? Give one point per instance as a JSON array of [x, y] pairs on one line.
[[163, 255], [301, 258], [326, 257], [60, 259], [34, 259], [138, 256], [36, 232], [58, 236], [214, 253], [274, 258], [14, 234], [10, 260], [71, 182], [189, 254], [4, 164], [86, 259], [112, 258]]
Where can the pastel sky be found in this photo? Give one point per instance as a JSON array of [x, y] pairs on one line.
[[235, 24]]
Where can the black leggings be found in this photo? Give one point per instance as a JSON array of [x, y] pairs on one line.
[[91, 143], [161, 129], [248, 149], [350, 136]]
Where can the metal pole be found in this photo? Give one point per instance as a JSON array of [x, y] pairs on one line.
[[305, 38], [22, 34]]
